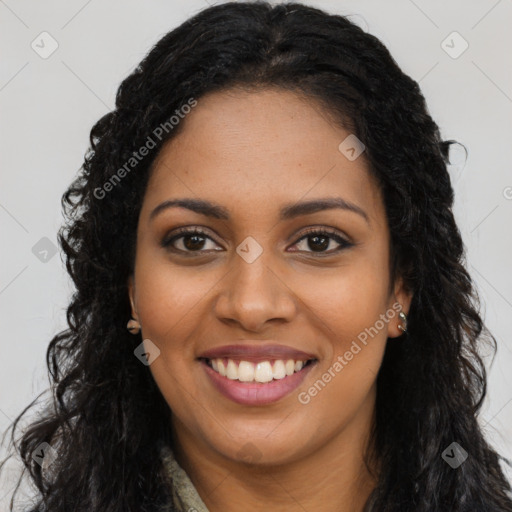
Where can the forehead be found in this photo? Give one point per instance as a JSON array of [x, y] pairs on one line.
[[259, 149]]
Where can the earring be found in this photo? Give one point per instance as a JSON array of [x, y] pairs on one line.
[[403, 326], [133, 326]]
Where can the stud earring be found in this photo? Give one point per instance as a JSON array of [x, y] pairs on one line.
[[403, 326], [133, 326]]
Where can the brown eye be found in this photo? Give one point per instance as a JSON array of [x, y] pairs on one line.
[[195, 240], [319, 240], [191, 240]]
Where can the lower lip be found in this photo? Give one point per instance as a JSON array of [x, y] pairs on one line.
[[256, 393]]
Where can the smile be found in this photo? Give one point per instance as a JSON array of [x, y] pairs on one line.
[[256, 383], [263, 371]]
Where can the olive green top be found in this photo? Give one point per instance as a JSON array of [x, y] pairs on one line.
[[185, 496]]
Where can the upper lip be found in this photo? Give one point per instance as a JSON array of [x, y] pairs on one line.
[[252, 352]]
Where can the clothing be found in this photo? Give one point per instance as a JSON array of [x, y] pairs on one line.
[[185, 495]]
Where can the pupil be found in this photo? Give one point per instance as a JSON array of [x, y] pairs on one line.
[[316, 238], [193, 245]]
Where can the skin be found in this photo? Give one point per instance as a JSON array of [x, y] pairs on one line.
[[252, 152]]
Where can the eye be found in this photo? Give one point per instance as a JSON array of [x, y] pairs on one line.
[[191, 240], [320, 239]]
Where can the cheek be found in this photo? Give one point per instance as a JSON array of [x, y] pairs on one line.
[[351, 305], [347, 300], [168, 301], [349, 313]]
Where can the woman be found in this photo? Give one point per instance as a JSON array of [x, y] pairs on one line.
[[272, 311]]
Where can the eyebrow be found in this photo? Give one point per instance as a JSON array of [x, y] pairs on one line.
[[287, 212]]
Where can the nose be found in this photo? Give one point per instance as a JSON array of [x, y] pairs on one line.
[[254, 294]]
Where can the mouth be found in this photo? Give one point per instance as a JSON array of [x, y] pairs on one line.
[[256, 383], [264, 371]]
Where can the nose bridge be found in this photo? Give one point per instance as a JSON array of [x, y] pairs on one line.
[[252, 292]]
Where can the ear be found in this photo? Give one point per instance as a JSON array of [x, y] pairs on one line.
[[131, 294], [400, 300]]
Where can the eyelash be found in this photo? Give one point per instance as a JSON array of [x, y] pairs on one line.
[[182, 232]]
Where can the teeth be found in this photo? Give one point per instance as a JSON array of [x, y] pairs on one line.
[[245, 371], [265, 371], [279, 370], [232, 370]]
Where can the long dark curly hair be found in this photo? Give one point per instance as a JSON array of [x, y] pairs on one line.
[[107, 419]]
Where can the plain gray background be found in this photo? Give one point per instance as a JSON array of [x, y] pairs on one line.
[[48, 106]]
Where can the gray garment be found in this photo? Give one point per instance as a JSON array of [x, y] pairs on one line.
[[185, 496]]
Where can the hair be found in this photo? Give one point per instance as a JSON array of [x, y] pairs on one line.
[[107, 419]]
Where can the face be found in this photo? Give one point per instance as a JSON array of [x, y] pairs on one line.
[[266, 280]]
